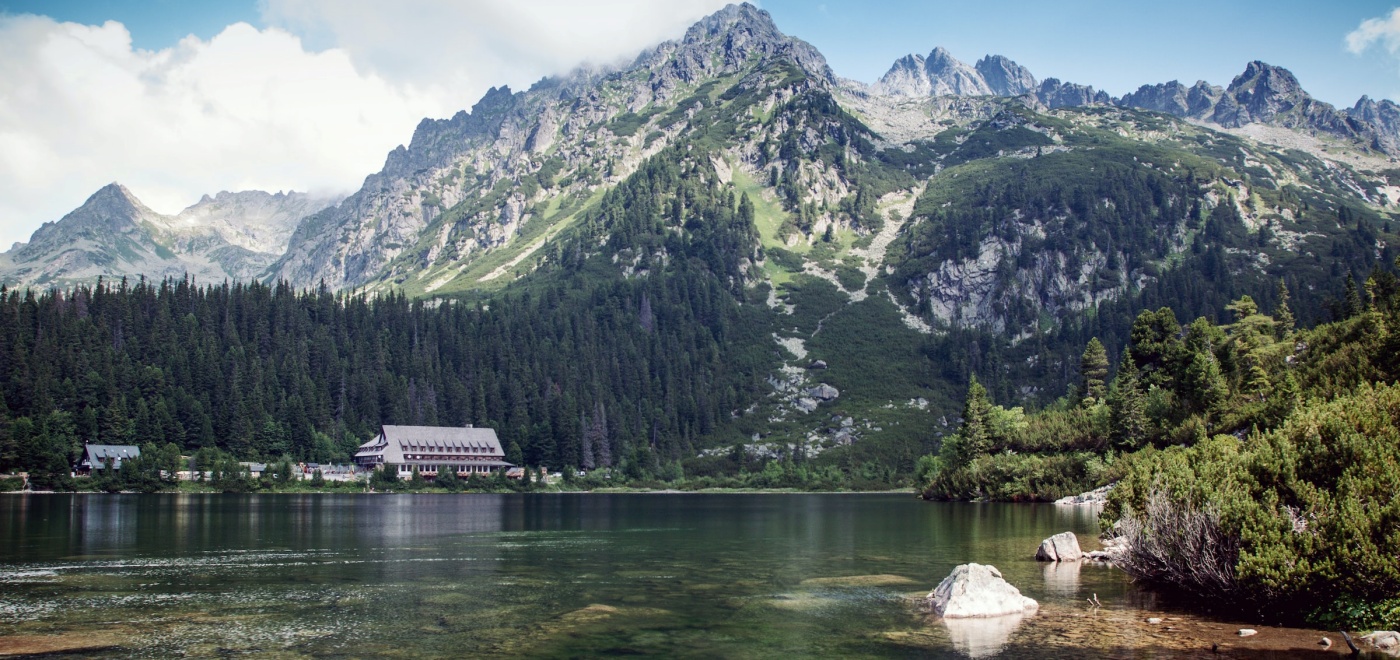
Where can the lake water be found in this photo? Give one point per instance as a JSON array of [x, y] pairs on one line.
[[696, 575]]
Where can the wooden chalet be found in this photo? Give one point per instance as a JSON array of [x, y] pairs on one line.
[[430, 449], [96, 457]]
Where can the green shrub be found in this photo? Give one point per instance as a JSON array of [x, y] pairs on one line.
[[1312, 506]]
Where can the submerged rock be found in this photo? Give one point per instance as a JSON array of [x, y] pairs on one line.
[[1385, 640], [975, 590], [1060, 547], [882, 580]]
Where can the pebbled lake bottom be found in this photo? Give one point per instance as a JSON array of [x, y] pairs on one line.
[[575, 575]]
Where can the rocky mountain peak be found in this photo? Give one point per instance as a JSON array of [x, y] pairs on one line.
[[113, 206], [1004, 76], [939, 74], [736, 34], [906, 77], [949, 76], [1259, 94]]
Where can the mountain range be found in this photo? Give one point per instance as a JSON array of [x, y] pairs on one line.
[[231, 236], [469, 186], [943, 221]]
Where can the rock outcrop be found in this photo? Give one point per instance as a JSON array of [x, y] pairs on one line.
[[940, 74], [1096, 497], [1060, 547], [977, 591], [824, 392], [1005, 77], [1056, 94]]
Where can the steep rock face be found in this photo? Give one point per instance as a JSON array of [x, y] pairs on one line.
[[1005, 77], [462, 187], [253, 220], [906, 77], [941, 74], [1384, 117], [1173, 98], [949, 76], [1055, 94], [975, 292], [1260, 94]]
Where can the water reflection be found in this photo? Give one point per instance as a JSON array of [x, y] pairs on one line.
[[1062, 577], [507, 575], [983, 637]]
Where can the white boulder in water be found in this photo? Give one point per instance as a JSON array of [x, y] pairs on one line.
[[1060, 547], [975, 591]]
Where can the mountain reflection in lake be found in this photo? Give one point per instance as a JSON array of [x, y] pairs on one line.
[[751, 575]]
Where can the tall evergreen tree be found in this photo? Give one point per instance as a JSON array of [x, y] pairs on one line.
[[1093, 371]]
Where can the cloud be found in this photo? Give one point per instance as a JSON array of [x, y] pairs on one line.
[[462, 47], [248, 109], [1385, 30], [313, 101]]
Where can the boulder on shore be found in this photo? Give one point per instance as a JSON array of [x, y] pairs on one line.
[[1060, 547], [1095, 497], [975, 591], [1387, 641]]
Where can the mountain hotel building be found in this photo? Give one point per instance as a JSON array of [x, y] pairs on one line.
[[432, 448]]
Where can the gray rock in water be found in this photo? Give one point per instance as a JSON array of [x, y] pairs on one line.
[[1060, 547], [974, 591]]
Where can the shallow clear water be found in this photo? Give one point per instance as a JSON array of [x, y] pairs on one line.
[[752, 575]]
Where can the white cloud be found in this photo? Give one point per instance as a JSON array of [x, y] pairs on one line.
[[259, 108], [248, 109], [462, 47], [1385, 30]]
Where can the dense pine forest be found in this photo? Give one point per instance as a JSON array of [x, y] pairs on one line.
[[579, 370]]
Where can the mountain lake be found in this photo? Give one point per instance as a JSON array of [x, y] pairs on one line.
[[573, 575]]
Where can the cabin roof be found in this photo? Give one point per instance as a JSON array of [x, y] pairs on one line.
[[96, 455]]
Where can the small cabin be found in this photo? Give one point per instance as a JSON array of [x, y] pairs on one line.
[[96, 457], [432, 449]]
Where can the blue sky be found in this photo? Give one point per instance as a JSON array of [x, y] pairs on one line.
[[179, 98], [1114, 45]]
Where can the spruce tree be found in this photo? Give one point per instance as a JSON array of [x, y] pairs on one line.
[[973, 438], [1127, 405], [1093, 370], [1283, 314]]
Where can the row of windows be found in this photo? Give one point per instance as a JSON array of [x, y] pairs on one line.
[[421, 457], [434, 468]]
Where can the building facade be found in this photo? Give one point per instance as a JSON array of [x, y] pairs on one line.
[[433, 449], [96, 457]]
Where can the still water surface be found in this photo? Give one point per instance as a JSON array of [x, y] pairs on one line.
[[540, 575]]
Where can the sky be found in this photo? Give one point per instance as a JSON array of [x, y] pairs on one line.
[[176, 99]]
